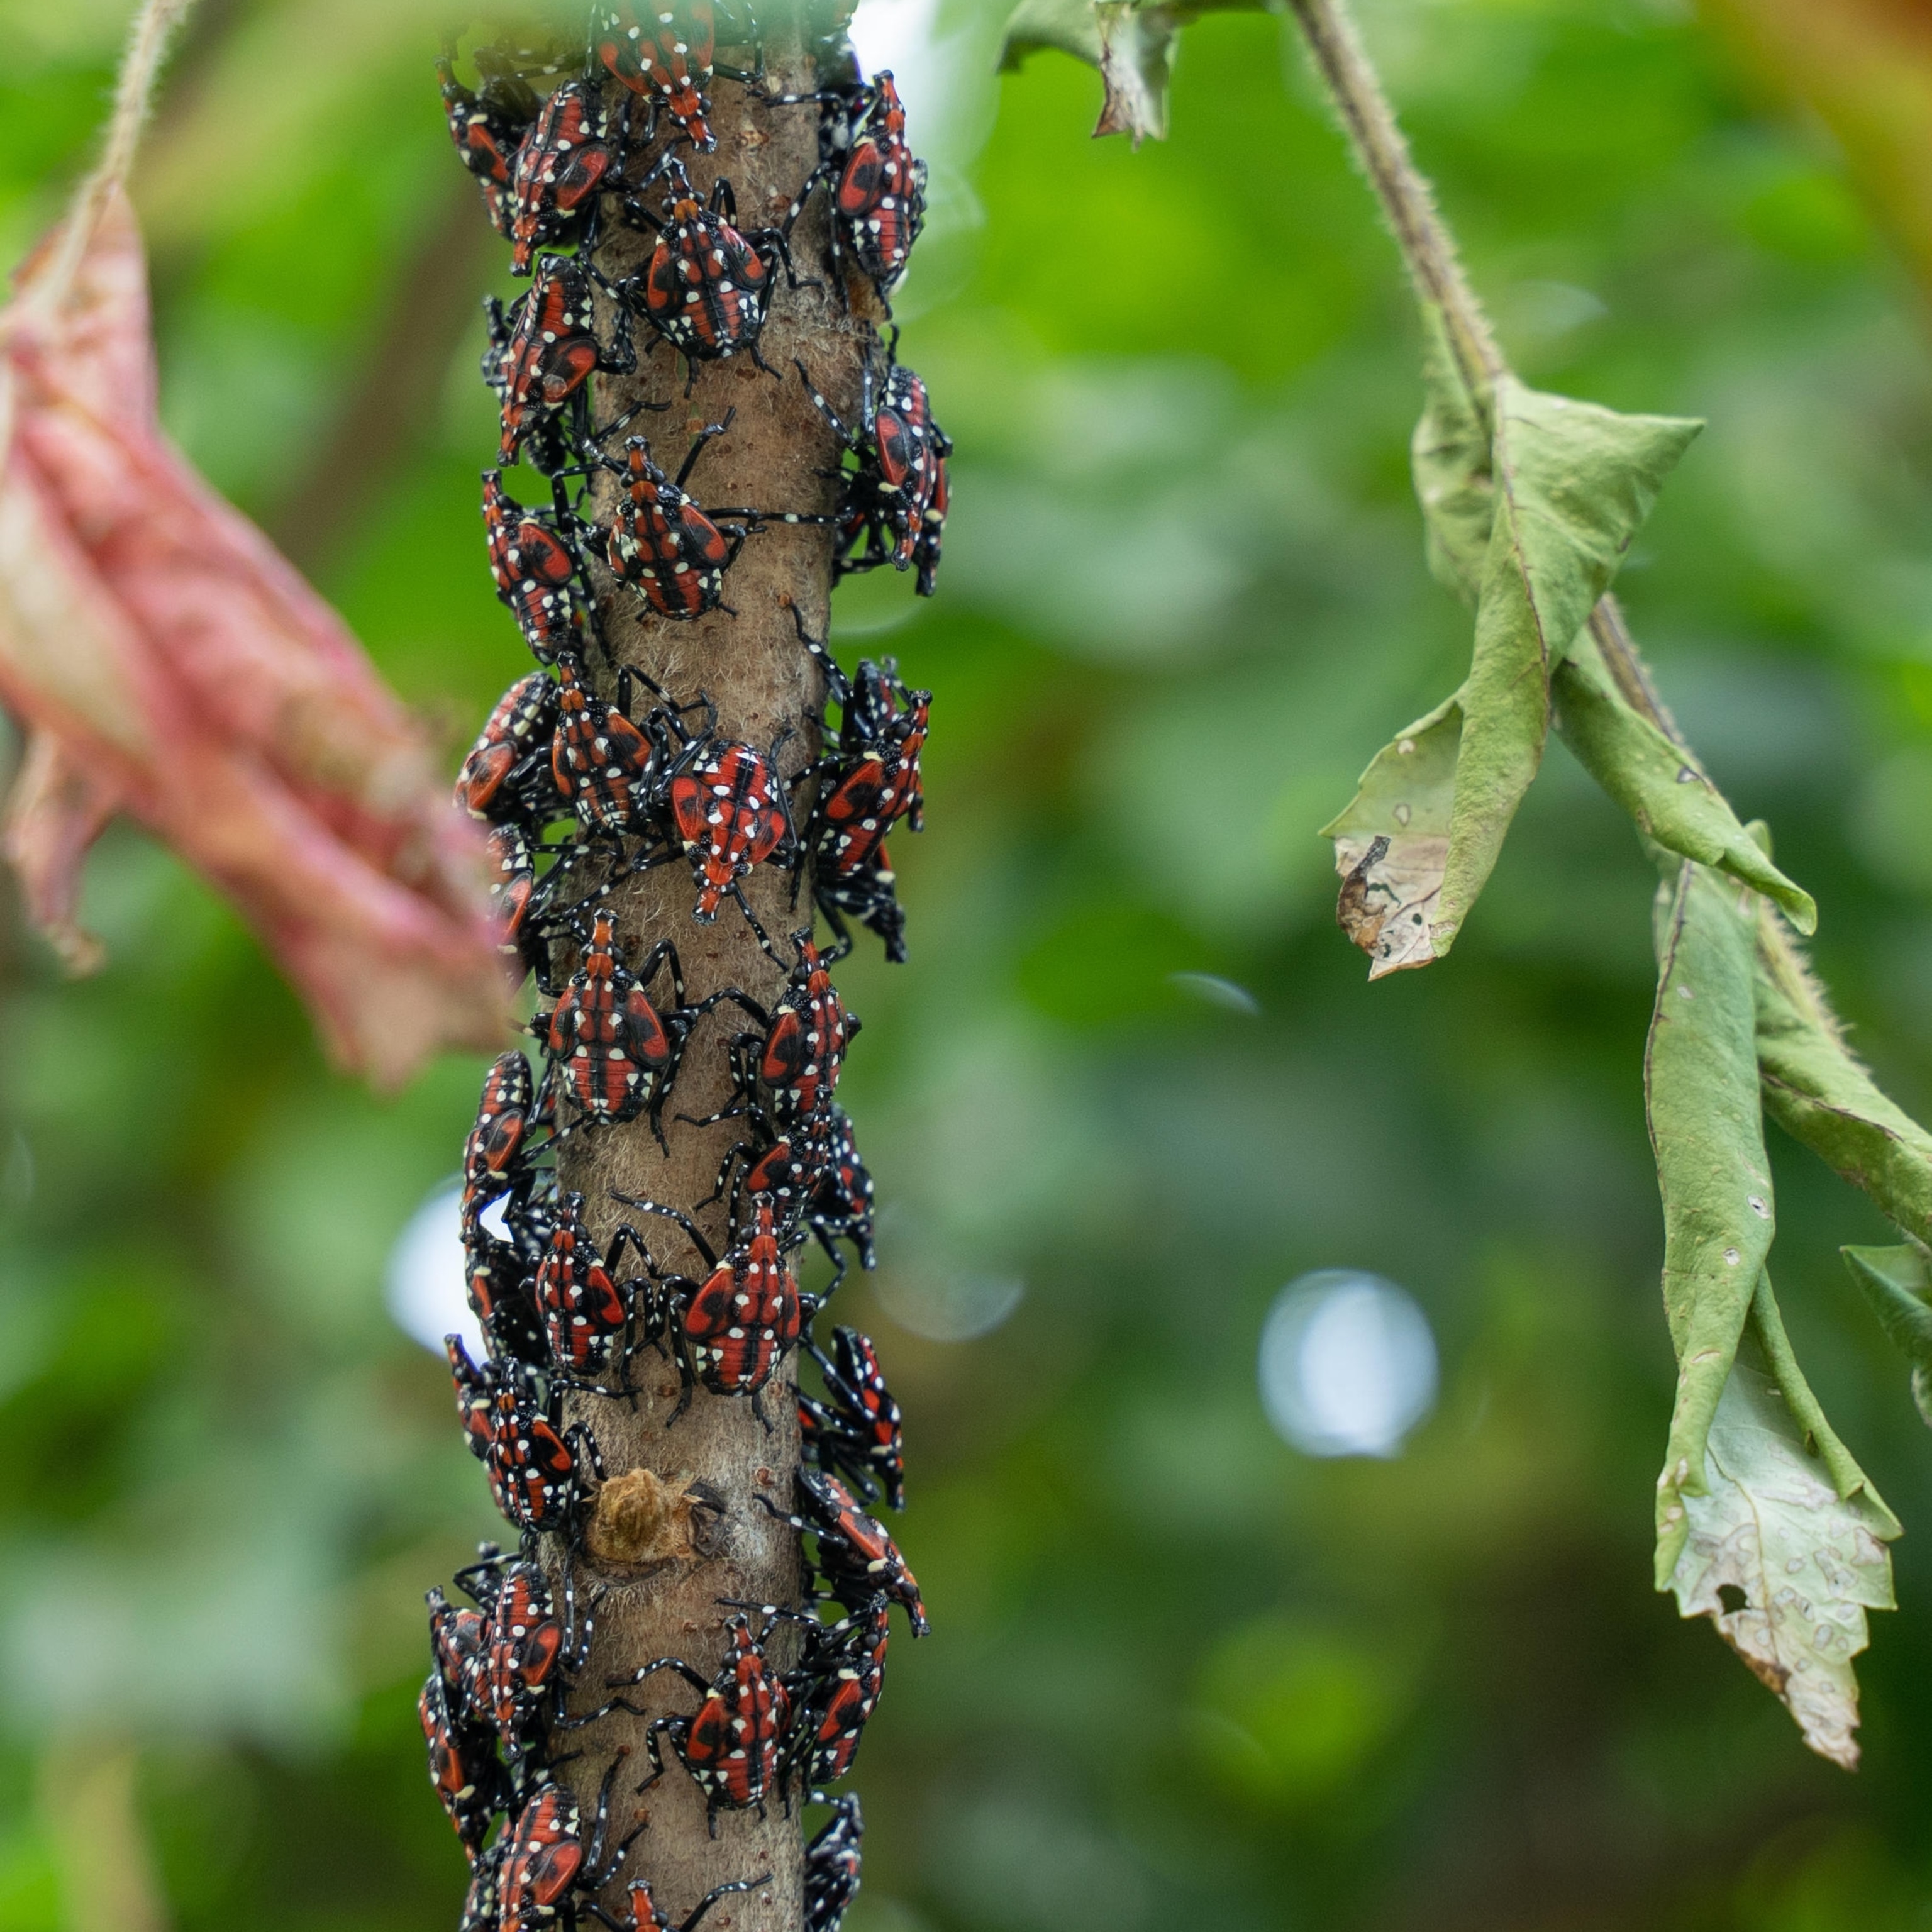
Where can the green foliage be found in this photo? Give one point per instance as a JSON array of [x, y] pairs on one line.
[[1786, 1524], [1700, 1091], [1183, 603]]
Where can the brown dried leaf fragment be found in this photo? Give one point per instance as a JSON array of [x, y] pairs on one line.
[[167, 662]]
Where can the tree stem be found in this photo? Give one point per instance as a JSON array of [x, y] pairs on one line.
[[681, 1523]]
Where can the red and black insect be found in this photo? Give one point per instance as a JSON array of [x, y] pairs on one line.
[[527, 1656], [663, 54], [707, 286], [499, 1271], [492, 1155], [456, 1641], [730, 1744], [548, 1865], [483, 1902], [839, 1206], [814, 1174], [835, 1689], [658, 540], [571, 156], [730, 811], [878, 188], [537, 1467], [587, 1317], [507, 777], [513, 881], [893, 501], [615, 1055], [488, 129], [868, 892], [543, 353], [787, 1074], [855, 1431], [855, 1555], [872, 780], [645, 1916], [732, 1329], [600, 761], [463, 1765], [537, 568], [832, 1864]]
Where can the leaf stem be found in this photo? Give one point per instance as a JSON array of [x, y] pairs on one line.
[[1429, 252]]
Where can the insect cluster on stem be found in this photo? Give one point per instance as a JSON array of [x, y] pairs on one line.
[[585, 783]]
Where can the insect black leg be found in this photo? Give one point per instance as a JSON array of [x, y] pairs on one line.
[[698, 442]]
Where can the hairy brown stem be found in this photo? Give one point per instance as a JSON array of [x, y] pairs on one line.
[[681, 1523]]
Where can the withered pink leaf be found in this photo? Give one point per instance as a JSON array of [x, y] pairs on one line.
[[166, 662]]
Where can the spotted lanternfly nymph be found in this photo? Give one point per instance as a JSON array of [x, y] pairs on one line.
[[567, 159], [832, 1865], [664, 54], [673, 554], [730, 812], [730, 1744], [506, 777], [543, 353], [534, 562], [893, 500], [600, 761], [878, 188], [855, 1431], [856, 1554], [706, 286], [488, 128], [548, 1864], [787, 1074], [537, 1468], [613, 1051], [732, 1329], [587, 1317]]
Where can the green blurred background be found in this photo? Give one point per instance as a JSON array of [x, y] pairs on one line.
[[1181, 1674]]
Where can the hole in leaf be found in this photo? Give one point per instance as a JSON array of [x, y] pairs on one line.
[[1732, 1598]]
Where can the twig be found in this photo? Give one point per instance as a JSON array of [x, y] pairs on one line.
[[134, 95]]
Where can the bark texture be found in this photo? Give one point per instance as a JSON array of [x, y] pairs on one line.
[[679, 1524]]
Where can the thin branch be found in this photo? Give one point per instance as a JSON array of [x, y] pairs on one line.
[[1427, 247], [134, 95]]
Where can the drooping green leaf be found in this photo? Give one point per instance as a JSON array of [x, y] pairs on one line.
[[1897, 1283], [1784, 1548], [1700, 1091], [1815, 1089], [1130, 41], [1392, 838], [1661, 788], [1449, 459], [1573, 483]]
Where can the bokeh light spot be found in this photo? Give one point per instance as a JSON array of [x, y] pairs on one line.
[[1348, 1364], [425, 1291]]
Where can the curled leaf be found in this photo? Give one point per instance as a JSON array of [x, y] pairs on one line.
[[1784, 1546], [1700, 1092], [1897, 1283], [1573, 484], [1815, 1090], [168, 663], [1449, 460], [1130, 41], [1657, 782], [1391, 840]]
